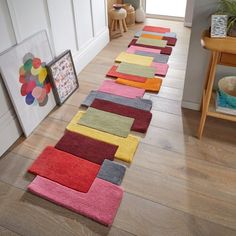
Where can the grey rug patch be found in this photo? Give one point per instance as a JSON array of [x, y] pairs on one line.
[[167, 34], [111, 172], [139, 103], [160, 58]]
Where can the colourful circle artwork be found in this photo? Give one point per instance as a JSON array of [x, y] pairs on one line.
[[35, 83]]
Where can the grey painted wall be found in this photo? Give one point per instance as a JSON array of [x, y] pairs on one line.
[[189, 13], [198, 57]]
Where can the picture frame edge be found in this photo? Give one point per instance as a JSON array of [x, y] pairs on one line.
[[54, 89]]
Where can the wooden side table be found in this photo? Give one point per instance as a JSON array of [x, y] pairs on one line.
[[223, 52]]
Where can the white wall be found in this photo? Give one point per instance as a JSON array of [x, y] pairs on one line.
[[198, 57], [78, 25], [9, 126]]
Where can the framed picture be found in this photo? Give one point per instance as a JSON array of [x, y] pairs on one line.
[[219, 26], [63, 76], [23, 69]]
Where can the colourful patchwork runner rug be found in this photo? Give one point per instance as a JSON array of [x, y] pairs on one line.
[[79, 172]]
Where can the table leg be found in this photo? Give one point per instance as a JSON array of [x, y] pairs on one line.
[[206, 79], [207, 97]]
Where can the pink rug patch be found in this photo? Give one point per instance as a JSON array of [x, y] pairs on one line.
[[161, 69], [133, 49], [100, 203], [109, 86]]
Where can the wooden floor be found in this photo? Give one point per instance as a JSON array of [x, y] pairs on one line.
[[176, 185]]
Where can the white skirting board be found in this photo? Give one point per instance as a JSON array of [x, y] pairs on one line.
[[83, 57], [9, 130], [191, 105]]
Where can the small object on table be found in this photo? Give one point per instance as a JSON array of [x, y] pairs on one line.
[[227, 89], [222, 105], [219, 26], [118, 20]]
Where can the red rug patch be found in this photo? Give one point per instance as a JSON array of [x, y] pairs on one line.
[[170, 41], [142, 118], [87, 148], [66, 169]]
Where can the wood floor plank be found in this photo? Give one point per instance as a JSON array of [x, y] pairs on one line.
[[188, 122], [201, 176], [173, 83], [51, 128], [211, 151], [33, 145], [143, 217], [75, 99], [6, 232], [165, 105], [176, 194], [87, 76], [64, 113], [170, 93], [13, 170], [176, 73]]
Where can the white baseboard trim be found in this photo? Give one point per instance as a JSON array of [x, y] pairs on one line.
[[161, 17], [10, 130], [188, 24], [191, 105], [83, 57]]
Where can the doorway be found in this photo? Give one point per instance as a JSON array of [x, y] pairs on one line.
[[166, 9]]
